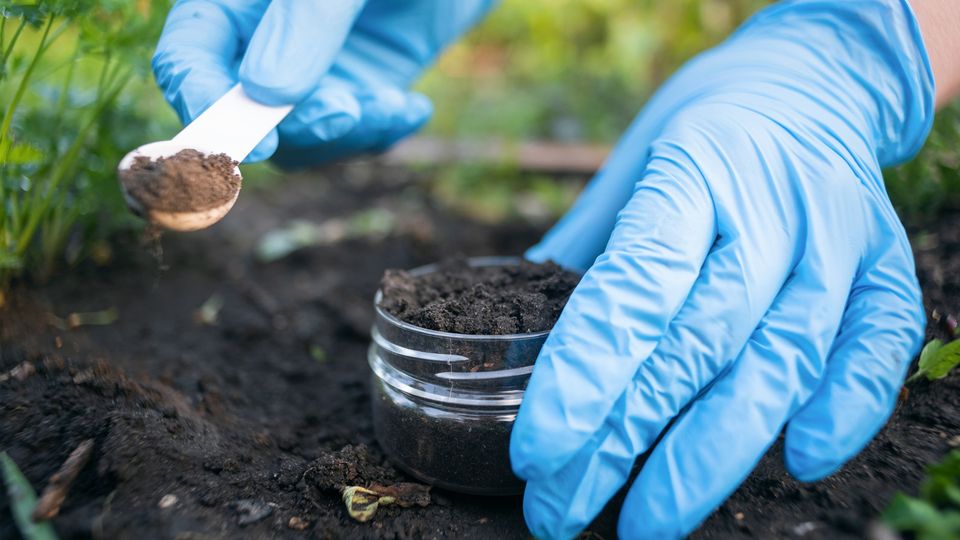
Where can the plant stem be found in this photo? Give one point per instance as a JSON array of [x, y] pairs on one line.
[[67, 163], [13, 41], [5, 135], [65, 91]]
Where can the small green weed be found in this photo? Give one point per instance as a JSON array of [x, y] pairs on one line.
[[935, 514], [939, 357]]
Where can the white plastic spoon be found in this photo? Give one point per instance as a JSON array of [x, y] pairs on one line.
[[234, 125]]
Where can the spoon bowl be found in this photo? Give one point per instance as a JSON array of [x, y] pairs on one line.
[[175, 221]]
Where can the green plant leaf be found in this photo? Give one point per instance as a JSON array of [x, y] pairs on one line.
[[10, 260], [936, 514], [943, 484], [23, 154], [939, 362], [23, 499], [908, 513], [928, 351]]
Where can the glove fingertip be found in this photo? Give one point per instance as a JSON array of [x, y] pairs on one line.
[[536, 514], [537, 253], [534, 453], [420, 108], [278, 91], [334, 126], [807, 468]]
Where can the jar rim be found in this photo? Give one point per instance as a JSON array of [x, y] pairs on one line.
[[426, 269]]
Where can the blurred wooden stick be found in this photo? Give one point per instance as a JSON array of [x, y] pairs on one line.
[[535, 156], [56, 491]]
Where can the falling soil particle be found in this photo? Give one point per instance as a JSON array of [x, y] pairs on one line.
[[188, 181], [490, 300]]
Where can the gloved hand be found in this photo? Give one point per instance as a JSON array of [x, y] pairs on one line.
[[347, 63], [756, 277]]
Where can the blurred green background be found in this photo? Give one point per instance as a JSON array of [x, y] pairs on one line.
[[76, 94]]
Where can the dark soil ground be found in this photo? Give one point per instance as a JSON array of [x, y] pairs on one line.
[[220, 417]]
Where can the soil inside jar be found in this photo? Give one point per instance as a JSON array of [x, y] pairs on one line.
[[487, 300], [465, 449], [188, 181], [457, 450]]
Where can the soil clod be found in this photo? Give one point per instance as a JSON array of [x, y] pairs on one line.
[[363, 485], [351, 466], [188, 181]]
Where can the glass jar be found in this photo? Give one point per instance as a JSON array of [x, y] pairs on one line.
[[444, 403]]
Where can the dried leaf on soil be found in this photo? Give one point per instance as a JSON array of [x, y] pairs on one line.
[[23, 499], [406, 494]]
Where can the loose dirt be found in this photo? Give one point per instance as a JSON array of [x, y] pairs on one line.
[[492, 300], [205, 427], [188, 181]]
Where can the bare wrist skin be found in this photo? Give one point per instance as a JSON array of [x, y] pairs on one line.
[[940, 25]]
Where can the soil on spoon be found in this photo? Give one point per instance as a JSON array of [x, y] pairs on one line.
[[490, 300], [189, 181]]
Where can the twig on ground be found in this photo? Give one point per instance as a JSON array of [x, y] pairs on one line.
[[56, 491], [20, 372], [76, 320]]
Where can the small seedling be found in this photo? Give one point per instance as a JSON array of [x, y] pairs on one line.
[[935, 515], [362, 503], [938, 357], [23, 500], [936, 360]]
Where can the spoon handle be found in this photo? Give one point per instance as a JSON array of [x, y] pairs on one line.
[[233, 125]]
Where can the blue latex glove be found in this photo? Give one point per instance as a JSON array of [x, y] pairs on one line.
[[756, 277], [347, 63]]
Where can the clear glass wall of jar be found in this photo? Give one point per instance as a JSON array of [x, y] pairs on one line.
[[444, 403]]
